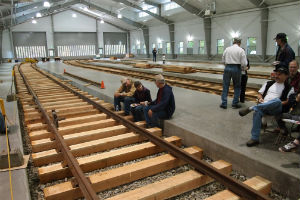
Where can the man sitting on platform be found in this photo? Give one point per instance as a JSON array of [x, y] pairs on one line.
[[272, 96], [164, 105], [142, 97], [124, 94]]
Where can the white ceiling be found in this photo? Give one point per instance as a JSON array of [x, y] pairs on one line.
[[222, 6]]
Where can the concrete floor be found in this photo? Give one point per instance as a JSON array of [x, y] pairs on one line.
[[221, 133], [252, 82], [19, 177]]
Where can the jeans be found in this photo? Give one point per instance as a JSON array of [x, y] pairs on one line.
[[234, 72], [154, 58], [244, 79], [153, 121], [2, 123], [127, 101], [138, 113], [272, 107]]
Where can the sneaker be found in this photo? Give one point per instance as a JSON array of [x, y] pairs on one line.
[[252, 143], [244, 111], [290, 147], [236, 106], [223, 106]]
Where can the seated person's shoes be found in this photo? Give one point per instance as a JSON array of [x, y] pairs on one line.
[[290, 147], [252, 143], [244, 112]]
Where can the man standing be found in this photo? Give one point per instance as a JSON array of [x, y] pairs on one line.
[[271, 97], [154, 52], [285, 53], [234, 58], [163, 106], [141, 97], [124, 94]]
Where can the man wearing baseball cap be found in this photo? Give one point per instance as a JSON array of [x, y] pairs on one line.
[[271, 97], [285, 53]]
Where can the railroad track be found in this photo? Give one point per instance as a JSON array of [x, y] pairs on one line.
[[251, 74], [188, 83], [81, 148]]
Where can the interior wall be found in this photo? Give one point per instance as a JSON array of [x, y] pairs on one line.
[[63, 22], [282, 19]]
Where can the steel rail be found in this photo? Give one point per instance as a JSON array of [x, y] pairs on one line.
[[180, 84], [235, 186], [83, 182]]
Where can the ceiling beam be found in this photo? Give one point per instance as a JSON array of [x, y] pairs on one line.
[[44, 12], [97, 18], [152, 3], [124, 19], [160, 18], [188, 7], [259, 3]]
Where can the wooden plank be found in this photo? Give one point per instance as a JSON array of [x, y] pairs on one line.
[[42, 134], [257, 183], [173, 186], [75, 113], [112, 178], [51, 156], [68, 122], [60, 110], [102, 160]]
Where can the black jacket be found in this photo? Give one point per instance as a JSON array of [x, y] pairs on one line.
[[167, 102], [142, 96], [285, 56]]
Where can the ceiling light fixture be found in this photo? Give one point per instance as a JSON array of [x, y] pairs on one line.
[[46, 4], [38, 14], [34, 21], [102, 22], [119, 16], [74, 15]]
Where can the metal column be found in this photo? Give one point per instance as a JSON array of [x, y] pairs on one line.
[[146, 40], [128, 43], [207, 31], [264, 32], [172, 39], [97, 37], [12, 46]]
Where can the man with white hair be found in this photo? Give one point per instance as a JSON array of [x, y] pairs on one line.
[[163, 106], [124, 94], [234, 58]]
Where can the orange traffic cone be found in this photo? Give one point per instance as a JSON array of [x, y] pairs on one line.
[[102, 85], [64, 70]]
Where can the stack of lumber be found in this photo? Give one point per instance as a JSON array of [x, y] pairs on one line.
[[178, 69], [143, 65], [113, 58], [129, 55]]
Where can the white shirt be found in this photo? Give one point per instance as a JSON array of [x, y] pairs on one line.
[[234, 55], [274, 91]]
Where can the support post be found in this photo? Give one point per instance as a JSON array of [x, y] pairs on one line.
[[207, 31], [264, 32], [97, 37], [146, 40], [128, 43], [172, 39]]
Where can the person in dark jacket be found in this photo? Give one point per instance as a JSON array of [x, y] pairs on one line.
[[163, 106], [141, 97], [285, 53], [154, 52], [244, 79]]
